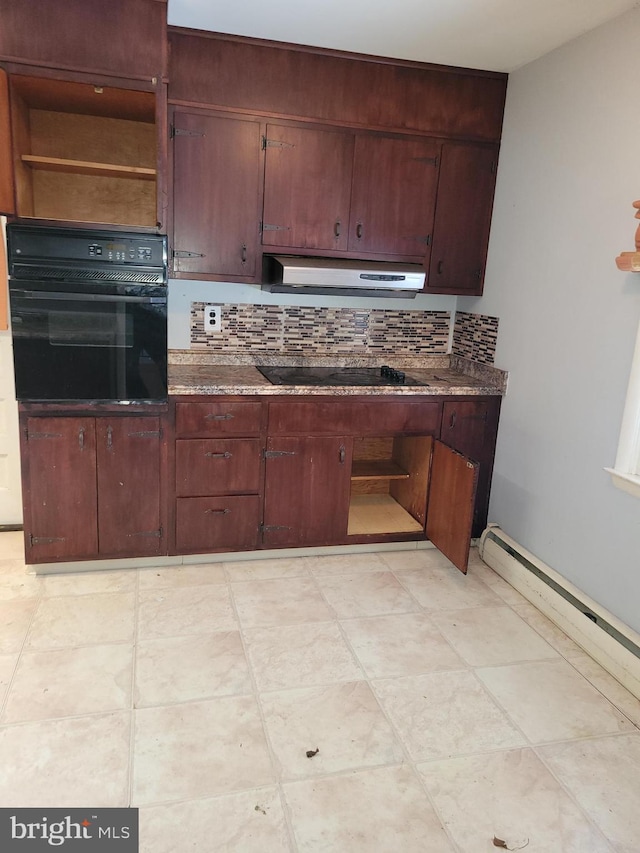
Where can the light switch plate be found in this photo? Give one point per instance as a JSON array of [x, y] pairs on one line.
[[213, 318]]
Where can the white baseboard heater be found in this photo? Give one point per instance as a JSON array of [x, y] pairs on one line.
[[609, 641]]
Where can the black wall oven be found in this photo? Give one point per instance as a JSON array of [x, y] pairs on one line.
[[88, 314]]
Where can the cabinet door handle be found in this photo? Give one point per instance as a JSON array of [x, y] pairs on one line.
[[359, 230], [243, 254], [81, 438], [337, 228], [225, 455], [226, 417], [109, 437], [342, 453], [440, 265], [217, 511], [452, 420]]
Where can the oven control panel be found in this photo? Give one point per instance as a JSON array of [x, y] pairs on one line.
[[69, 245], [120, 252]]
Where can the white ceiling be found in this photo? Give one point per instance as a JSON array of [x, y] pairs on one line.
[[497, 35]]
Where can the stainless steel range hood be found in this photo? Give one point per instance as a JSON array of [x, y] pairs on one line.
[[337, 277]]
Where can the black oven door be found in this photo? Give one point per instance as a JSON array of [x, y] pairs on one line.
[[107, 345]]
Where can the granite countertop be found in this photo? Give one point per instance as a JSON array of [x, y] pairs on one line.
[[195, 373]]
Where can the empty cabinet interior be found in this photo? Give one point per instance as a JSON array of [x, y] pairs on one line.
[[389, 485], [84, 153]]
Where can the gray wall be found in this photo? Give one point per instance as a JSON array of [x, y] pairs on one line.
[[569, 170]]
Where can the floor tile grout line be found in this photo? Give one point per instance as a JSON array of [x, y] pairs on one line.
[[504, 710], [589, 819], [429, 614], [604, 695], [219, 795], [20, 652], [272, 755], [396, 734]]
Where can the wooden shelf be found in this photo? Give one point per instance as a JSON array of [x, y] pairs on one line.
[[373, 514], [82, 167], [377, 469]]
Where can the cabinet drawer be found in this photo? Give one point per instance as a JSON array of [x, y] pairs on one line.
[[218, 466], [217, 418], [354, 417], [217, 524]]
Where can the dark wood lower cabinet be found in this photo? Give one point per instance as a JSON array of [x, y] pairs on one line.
[[254, 474], [92, 487], [128, 469], [227, 523], [59, 488], [306, 499]]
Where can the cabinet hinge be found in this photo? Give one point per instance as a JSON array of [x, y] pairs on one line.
[[266, 227], [45, 540], [275, 143], [151, 533], [429, 161], [179, 131], [157, 433], [267, 528], [184, 254], [271, 454], [32, 436]]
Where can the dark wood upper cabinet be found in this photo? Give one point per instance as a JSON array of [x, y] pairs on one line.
[[394, 194], [216, 195], [125, 38], [307, 188], [461, 233], [361, 194], [7, 200], [452, 492], [332, 87], [128, 454]]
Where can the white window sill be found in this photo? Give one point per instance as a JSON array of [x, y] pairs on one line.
[[627, 482]]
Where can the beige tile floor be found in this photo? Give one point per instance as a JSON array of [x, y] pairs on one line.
[[441, 711]]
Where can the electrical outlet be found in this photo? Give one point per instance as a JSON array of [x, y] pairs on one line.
[[213, 318]]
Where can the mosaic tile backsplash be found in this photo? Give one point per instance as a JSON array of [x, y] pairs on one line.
[[475, 337], [293, 330]]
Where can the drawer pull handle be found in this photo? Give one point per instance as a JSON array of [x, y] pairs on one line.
[[342, 454], [218, 511], [226, 417], [452, 422], [225, 455], [337, 228], [81, 438], [359, 230]]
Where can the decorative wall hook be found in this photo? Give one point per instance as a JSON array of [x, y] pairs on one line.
[[630, 261]]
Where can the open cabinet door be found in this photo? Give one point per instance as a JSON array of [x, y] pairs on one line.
[[452, 494], [7, 203]]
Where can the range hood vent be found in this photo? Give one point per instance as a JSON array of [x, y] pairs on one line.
[[337, 277]]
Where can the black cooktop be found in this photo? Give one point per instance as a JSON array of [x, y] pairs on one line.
[[336, 376]]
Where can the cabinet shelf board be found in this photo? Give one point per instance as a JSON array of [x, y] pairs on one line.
[[83, 167], [377, 469], [374, 514]]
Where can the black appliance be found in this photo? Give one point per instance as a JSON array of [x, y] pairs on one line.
[[88, 314], [336, 376]]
